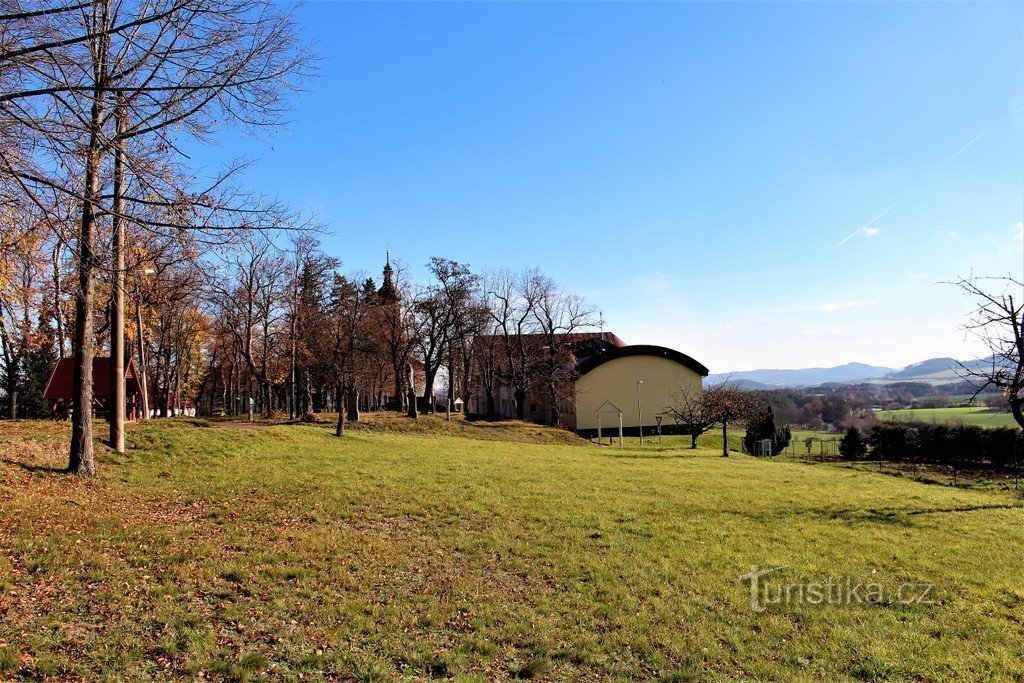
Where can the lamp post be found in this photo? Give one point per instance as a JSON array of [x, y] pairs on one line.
[[140, 342], [116, 398], [639, 413]]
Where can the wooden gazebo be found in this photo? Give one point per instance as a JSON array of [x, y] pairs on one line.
[[59, 387], [608, 409]]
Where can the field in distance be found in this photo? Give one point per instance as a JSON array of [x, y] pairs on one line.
[[977, 415], [412, 551]]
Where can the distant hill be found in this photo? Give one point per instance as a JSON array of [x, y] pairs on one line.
[[932, 371], [748, 384], [925, 367], [805, 377]]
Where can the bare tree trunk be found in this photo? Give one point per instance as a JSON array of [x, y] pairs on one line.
[[58, 314], [339, 430], [520, 395], [399, 390], [80, 459], [428, 389], [293, 334], [553, 399], [140, 339], [411, 412], [307, 394], [467, 368], [353, 404], [248, 398], [12, 394]]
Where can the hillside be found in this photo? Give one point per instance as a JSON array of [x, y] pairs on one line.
[[932, 366], [232, 553]]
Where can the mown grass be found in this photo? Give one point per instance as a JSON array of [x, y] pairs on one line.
[[283, 553], [976, 415]]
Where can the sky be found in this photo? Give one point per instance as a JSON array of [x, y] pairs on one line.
[[770, 184]]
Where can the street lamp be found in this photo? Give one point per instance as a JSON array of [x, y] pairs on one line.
[[639, 413]]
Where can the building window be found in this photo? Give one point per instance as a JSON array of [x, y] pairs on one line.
[[533, 407]]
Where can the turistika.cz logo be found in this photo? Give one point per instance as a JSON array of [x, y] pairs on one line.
[[766, 591]]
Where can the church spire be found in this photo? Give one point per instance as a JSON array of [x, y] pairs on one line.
[[388, 293]]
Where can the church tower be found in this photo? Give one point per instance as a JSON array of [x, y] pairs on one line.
[[388, 293]]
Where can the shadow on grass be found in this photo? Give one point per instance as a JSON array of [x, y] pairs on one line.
[[896, 516], [664, 455], [35, 468]]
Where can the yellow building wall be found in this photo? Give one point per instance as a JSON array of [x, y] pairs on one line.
[[615, 381]]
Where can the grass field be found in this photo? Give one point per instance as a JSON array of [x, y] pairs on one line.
[[411, 551], [978, 415]]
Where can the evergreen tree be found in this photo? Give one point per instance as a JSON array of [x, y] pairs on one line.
[[853, 446], [761, 426], [39, 363]]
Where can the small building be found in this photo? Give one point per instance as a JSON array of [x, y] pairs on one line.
[[58, 389]]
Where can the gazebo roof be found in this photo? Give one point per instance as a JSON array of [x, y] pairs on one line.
[[608, 408]]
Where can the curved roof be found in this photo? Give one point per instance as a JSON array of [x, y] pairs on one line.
[[613, 352]]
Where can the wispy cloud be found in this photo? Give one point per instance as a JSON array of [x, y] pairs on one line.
[[871, 232], [1020, 230]]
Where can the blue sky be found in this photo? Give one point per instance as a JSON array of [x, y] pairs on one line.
[[688, 167]]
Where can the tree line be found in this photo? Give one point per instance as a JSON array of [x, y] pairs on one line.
[[111, 243]]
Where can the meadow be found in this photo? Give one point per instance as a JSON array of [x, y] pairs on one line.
[[432, 550], [974, 415]]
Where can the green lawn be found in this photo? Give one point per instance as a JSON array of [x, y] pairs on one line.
[[978, 415], [283, 553]]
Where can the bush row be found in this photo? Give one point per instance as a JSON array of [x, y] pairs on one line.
[[946, 444]]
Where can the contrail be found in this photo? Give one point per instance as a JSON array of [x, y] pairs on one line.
[[955, 154], [981, 135], [972, 141], [868, 224]]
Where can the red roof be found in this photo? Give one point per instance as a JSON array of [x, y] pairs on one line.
[[59, 385], [574, 338]]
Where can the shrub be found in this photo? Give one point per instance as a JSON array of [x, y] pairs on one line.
[[893, 441], [853, 446]]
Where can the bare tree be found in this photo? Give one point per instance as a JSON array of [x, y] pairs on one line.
[[560, 316], [727, 404], [249, 295], [178, 68], [693, 412], [518, 351], [467, 318], [998, 322], [345, 342], [434, 324]]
